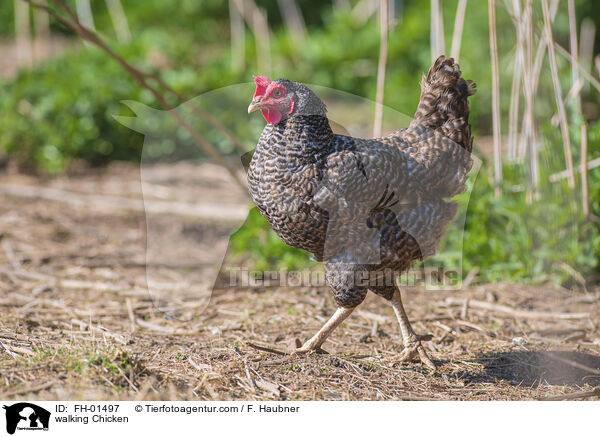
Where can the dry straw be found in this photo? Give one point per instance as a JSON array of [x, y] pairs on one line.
[[495, 100], [437, 30], [562, 113], [459, 21], [384, 22]]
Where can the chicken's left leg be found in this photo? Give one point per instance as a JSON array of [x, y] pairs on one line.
[[314, 344], [412, 342]]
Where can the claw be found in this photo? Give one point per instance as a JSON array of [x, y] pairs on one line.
[[308, 350], [414, 348]]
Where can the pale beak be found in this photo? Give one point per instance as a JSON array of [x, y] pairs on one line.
[[254, 105]]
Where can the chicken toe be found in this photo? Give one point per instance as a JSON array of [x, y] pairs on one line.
[[412, 341], [315, 343]]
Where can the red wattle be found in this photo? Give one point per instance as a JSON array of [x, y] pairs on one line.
[[272, 116]]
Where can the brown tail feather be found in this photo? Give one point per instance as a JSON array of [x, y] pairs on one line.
[[444, 104]]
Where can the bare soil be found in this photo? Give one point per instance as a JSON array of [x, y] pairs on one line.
[[78, 319], [38, 50]]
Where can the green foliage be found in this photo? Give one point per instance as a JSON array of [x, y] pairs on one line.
[[54, 114], [509, 238], [545, 238], [63, 109], [263, 249]]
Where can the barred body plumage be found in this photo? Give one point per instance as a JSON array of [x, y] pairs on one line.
[[365, 205]]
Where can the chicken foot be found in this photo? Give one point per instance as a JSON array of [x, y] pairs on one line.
[[412, 341], [314, 343]]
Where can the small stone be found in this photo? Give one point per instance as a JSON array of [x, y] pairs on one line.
[[519, 341]]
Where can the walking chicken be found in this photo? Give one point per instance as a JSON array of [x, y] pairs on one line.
[[367, 208]]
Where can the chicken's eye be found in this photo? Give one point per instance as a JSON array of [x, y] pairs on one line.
[[277, 93]]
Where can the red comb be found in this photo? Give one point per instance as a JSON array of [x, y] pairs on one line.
[[262, 82]]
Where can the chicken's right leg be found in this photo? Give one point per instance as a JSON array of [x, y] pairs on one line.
[[314, 344]]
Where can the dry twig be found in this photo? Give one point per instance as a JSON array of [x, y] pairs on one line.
[[580, 67], [563, 174], [26, 390], [266, 349], [503, 309], [572, 396]]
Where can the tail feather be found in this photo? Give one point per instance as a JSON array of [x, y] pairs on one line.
[[444, 104]]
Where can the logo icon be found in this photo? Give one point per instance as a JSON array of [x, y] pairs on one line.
[[26, 416]]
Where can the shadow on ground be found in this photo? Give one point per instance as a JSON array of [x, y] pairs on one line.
[[528, 368]]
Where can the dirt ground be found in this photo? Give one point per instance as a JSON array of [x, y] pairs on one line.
[[80, 319]]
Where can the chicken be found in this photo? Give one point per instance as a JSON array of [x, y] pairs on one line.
[[367, 208]]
